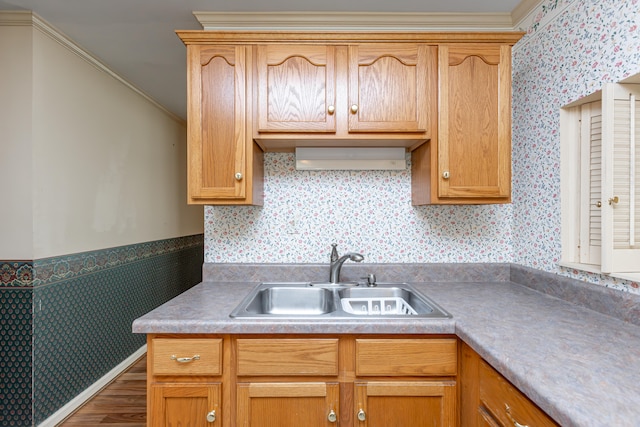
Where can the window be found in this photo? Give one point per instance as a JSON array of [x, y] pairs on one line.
[[600, 139]]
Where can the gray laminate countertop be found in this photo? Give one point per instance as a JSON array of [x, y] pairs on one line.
[[580, 366]]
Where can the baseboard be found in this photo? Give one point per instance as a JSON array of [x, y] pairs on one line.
[[88, 393]]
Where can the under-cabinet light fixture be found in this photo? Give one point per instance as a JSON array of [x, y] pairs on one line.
[[350, 158]]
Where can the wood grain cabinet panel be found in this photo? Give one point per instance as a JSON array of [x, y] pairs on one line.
[[391, 87], [187, 356], [474, 142], [224, 166], [194, 405], [345, 91], [308, 404], [487, 399], [412, 357], [296, 88], [280, 357], [469, 160], [505, 404], [405, 403]]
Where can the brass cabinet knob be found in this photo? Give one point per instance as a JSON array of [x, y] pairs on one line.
[[598, 204], [446, 175], [332, 417], [331, 109], [614, 199], [238, 176], [211, 416], [354, 108]]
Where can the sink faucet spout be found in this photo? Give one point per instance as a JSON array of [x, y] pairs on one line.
[[336, 263]]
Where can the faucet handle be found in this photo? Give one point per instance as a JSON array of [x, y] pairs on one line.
[[334, 252]]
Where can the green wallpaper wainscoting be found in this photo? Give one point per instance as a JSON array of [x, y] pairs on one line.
[[15, 356], [80, 329]]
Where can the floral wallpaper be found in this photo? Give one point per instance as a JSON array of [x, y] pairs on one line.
[[570, 49], [363, 211], [581, 45]]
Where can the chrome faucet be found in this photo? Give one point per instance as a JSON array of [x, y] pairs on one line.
[[337, 261]]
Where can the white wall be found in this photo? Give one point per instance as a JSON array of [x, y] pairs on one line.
[[16, 231], [109, 165]]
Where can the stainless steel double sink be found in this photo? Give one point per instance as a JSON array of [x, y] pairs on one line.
[[292, 300]]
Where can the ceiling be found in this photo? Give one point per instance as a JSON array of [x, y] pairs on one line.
[[136, 38]]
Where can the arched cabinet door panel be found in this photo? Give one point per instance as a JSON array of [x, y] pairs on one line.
[[474, 140], [296, 88], [392, 87], [224, 166]]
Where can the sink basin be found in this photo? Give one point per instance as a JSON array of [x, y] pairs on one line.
[[290, 300]]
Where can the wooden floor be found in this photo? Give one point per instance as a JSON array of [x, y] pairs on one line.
[[122, 403]]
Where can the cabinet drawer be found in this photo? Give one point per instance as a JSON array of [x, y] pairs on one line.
[[400, 357], [187, 356], [274, 357], [506, 403]]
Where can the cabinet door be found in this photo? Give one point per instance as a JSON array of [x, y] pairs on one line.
[[405, 404], [296, 88], [506, 404], [474, 141], [391, 87], [192, 405], [217, 122], [287, 404]]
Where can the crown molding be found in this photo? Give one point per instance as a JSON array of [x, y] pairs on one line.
[[353, 21], [520, 13], [16, 18], [28, 18]]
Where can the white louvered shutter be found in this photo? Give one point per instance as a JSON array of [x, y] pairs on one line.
[[621, 178], [591, 181]]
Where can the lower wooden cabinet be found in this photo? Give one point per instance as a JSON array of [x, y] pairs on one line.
[[405, 403], [295, 381], [504, 404], [488, 399], [328, 380], [288, 404], [193, 405]]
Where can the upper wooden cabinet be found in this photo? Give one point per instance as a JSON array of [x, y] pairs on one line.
[[446, 97], [224, 166], [470, 160], [391, 87], [326, 92], [474, 145], [296, 88]]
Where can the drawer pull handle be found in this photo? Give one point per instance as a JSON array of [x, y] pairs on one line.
[[515, 423], [185, 359]]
